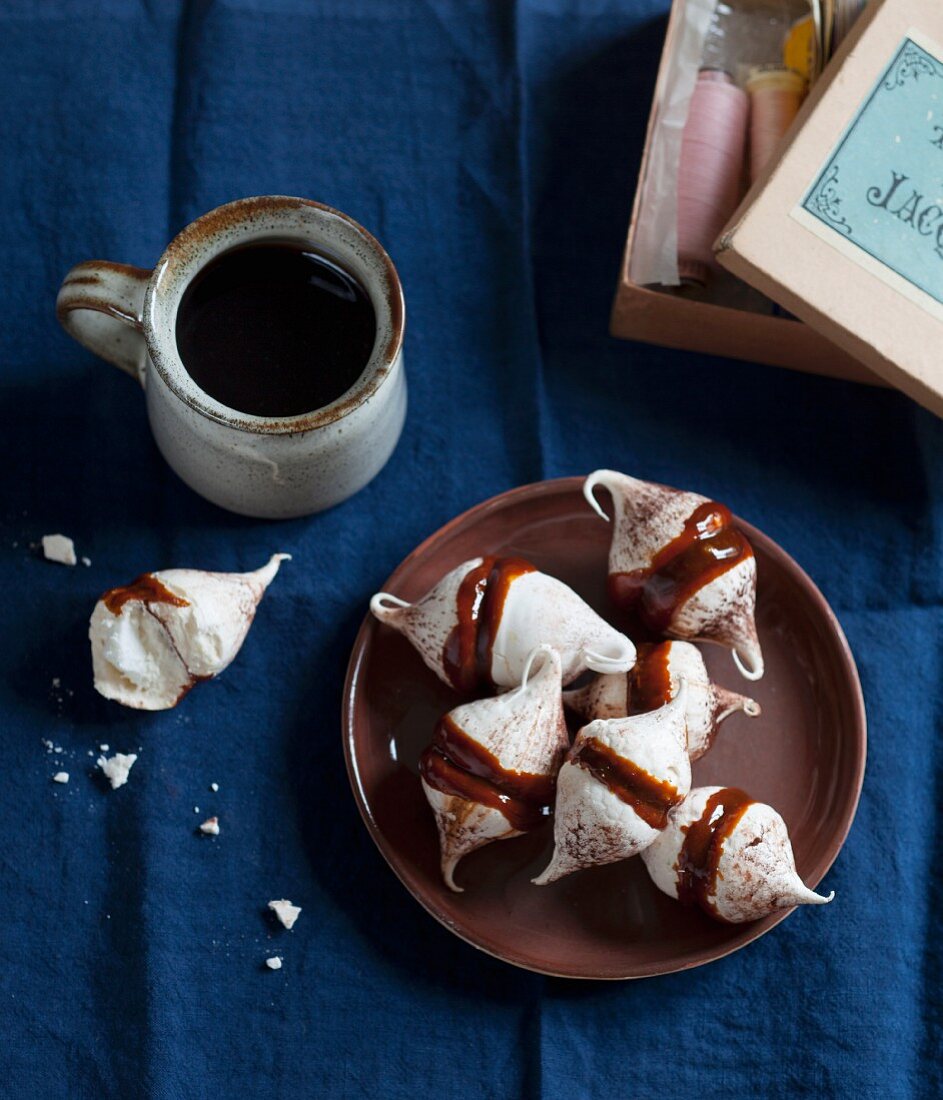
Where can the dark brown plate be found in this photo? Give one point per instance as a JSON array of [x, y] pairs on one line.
[[805, 755]]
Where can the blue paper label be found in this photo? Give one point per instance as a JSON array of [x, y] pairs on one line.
[[879, 197]]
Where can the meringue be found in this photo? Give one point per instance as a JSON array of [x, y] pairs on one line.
[[476, 628], [653, 682], [59, 548], [210, 827], [286, 912], [678, 561], [116, 768], [155, 638], [61, 777], [617, 786], [489, 773], [730, 855]]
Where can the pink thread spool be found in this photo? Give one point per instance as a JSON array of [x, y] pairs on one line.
[[711, 170], [775, 98]]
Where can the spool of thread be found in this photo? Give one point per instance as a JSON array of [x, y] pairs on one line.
[[801, 49], [775, 98], [711, 170], [845, 17]]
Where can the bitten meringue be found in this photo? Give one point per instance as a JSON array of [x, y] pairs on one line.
[[153, 639], [678, 562], [489, 773], [476, 628], [653, 682], [730, 855], [616, 788]]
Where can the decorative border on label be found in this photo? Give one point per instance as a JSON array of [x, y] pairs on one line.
[[828, 213]]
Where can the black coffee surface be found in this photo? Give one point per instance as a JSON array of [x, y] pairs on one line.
[[273, 330]]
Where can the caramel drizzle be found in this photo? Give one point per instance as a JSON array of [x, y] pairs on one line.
[[651, 798], [147, 588], [456, 764], [649, 686], [479, 604], [703, 844], [709, 546]]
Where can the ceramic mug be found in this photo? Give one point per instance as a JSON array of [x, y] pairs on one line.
[[271, 467]]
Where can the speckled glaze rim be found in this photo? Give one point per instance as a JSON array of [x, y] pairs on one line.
[[748, 932], [198, 243]]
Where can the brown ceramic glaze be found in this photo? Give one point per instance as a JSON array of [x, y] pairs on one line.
[[805, 756]]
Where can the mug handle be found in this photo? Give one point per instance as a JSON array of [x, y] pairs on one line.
[[101, 304]]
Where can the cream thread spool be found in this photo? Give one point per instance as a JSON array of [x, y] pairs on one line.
[[775, 98], [711, 170]]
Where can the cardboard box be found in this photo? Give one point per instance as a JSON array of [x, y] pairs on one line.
[[640, 313], [846, 229]]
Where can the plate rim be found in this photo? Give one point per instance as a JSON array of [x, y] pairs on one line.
[[752, 930]]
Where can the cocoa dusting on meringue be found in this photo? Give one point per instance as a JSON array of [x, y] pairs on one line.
[[489, 772], [680, 564], [616, 788], [478, 626], [729, 855], [654, 682]]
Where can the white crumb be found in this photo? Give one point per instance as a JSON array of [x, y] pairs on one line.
[[58, 748], [61, 777], [86, 562], [47, 744], [59, 548], [104, 748], [285, 911], [56, 682], [116, 768], [274, 963], [210, 827], [90, 753], [214, 787], [196, 809]]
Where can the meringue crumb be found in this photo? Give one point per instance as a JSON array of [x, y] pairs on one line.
[[104, 748], [196, 809], [56, 682], [214, 787], [86, 561], [210, 827], [285, 911], [59, 548], [116, 768], [61, 777], [47, 743], [274, 963]]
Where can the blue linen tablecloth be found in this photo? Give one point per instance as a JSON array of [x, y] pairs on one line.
[[492, 147]]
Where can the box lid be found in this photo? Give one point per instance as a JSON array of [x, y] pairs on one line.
[[846, 229]]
